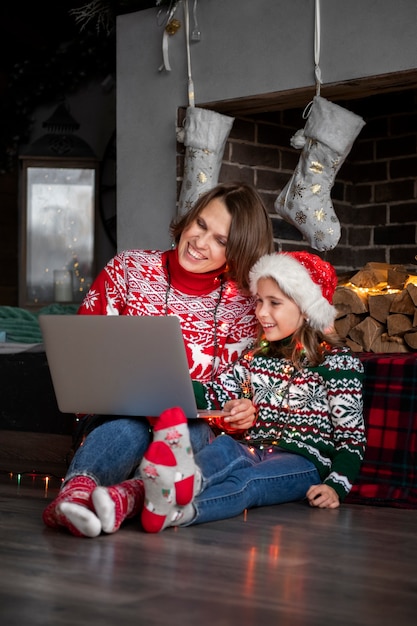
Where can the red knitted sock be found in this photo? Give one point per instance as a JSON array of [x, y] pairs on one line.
[[157, 470], [119, 502], [172, 428], [73, 508]]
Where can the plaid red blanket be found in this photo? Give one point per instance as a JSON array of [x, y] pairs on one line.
[[388, 475]]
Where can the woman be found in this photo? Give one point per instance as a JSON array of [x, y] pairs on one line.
[[203, 280]]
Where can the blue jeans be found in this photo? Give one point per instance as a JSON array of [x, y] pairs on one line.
[[113, 450], [236, 477]]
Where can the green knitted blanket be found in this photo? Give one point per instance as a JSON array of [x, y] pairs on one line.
[[20, 325]]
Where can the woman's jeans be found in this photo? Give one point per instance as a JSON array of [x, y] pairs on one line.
[[236, 477], [113, 450]]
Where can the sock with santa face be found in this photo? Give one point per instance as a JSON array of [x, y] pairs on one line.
[[171, 428], [158, 469]]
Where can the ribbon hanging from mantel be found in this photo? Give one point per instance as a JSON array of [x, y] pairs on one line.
[[325, 141], [191, 94], [317, 42], [172, 25]]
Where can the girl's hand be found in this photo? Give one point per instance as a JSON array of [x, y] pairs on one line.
[[242, 414], [323, 496]]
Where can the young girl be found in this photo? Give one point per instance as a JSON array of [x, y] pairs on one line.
[[298, 396]]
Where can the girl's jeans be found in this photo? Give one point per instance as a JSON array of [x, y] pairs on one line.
[[236, 477], [113, 450]]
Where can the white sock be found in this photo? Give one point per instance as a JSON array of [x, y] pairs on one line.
[[105, 508], [82, 518]]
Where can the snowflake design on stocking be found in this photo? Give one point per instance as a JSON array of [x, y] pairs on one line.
[[300, 217], [298, 190]]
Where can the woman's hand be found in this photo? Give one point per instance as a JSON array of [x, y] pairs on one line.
[[242, 414], [323, 496]]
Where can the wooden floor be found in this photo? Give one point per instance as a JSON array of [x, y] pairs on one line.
[[288, 565]]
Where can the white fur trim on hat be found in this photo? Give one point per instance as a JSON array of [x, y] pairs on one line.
[[296, 282]]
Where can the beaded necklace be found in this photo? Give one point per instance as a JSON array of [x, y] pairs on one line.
[[215, 311]]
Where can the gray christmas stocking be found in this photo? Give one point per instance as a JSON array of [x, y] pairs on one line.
[[305, 202], [205, 136]]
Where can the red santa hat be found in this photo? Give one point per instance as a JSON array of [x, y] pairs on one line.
[[306, 279]]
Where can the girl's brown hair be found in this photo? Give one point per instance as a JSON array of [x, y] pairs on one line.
[[250, 235]]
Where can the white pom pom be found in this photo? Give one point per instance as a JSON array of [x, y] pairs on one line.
[[298, 140]]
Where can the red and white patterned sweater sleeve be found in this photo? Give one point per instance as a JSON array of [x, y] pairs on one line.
[[115, 290], [96, 302]]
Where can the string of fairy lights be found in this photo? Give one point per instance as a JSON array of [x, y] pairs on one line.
[[33, 479]]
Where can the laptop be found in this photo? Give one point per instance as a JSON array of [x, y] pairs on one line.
[[119, 365]]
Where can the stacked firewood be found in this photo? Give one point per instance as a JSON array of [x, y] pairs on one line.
[[377, 309]]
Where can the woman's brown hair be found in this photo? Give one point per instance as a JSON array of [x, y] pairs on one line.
[[250, 235]]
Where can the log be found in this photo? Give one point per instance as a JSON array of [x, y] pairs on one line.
[[384, 343], [412, 290], [398, 324], [379, 306], [397, 276], [344, 324], [402, 303], [350, 300], [367, 332], [371, 275], [355, 347], [411, 340]]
